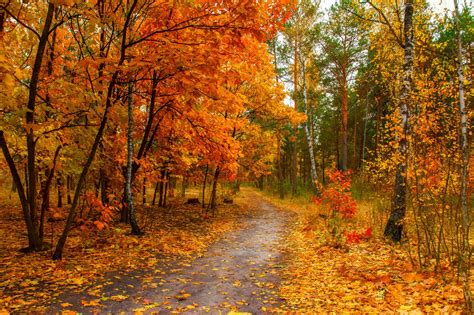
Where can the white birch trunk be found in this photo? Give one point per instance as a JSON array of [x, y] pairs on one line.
[[308, 131], [466, 247], [394, 226]]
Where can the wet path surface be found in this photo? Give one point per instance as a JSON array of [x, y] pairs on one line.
[[239, 272]]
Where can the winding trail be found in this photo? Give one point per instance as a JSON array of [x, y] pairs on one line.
[[239, 272]]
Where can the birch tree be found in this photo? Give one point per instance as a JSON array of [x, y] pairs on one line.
[[394, 226], [465, 154]]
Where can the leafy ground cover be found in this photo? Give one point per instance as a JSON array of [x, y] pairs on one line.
[[28, 280], [369, 276], [261, 259]]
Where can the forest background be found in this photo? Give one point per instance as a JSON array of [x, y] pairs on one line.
[[361, 108]]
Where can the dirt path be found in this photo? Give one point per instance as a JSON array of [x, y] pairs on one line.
[[241, 271]]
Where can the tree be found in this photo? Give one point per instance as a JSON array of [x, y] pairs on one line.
[[28, 196], [128, 175], [394, 226], [465, 155], [341, 40]]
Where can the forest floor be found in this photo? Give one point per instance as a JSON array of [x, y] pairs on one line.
[[239, 272], [262, 256]]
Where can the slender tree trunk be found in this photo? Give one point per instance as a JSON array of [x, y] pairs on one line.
[[68, 188], [294, 158], [144, 191], [30, 120], [2, 23], [28, 198], [154, 193], [337, 128], [281, 178], [344, 123], [30, 227], [213, 203], [323, 167], [59, 183], [364, 135], [354, 150], [82, 178], [183, 187], [465, 154], [165, 192], [45, 196], [309, 135], [204, 186], [377, 127], [394, 226], [108, 103], [128, 177], [162, 188]]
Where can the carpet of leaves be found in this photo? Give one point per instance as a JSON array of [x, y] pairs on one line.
[[371, 276], [28, 280]]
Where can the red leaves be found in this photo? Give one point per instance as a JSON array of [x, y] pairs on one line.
[[338, 197], [337, 194], [356, 237]]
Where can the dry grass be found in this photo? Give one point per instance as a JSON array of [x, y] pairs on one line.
[[371, 277]]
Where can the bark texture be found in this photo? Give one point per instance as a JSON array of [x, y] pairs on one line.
[[465, 154], [394, 227]]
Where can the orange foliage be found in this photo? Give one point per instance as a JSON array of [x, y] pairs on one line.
[[337, 194]]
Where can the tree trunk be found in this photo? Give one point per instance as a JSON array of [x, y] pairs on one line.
[[323, 167], [183, 187], [28, 198], [128, 177], [337, 128], [364, 135], [344, 123], [354, 145], [309, 135], [108, 103], [394, 226], [82, 178], [154, 193], [294, 165], [377, 126], [281, 178], [30, 226], [68, 188], [213, 203], [162, 188], [294, 162], [260, 183], [144, 191], [204, 186], [165, 192], [59, 183], [465, 154]]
